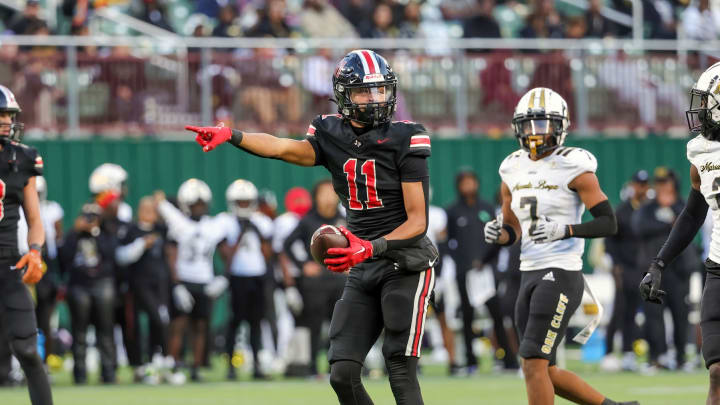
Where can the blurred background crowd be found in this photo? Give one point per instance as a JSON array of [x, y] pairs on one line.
[[663, 19], [166, 288], [143, 88]]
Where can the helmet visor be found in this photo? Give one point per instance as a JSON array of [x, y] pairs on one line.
[[371, 95], [538, 127]]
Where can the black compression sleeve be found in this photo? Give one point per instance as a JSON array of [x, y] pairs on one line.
[[381, 245], [685, 228], [603, 223]]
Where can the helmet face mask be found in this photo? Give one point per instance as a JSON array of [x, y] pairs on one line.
[[538, 135], [700, 117], [365, 87]]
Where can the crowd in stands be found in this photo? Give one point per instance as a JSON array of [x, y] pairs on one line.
[[663, 19]]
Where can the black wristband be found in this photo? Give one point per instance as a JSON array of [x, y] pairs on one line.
[[236, 138], [379, 246], [35, 246], [512, 236]]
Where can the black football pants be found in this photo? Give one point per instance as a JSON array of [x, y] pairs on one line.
[[19, 327], [94, 303]]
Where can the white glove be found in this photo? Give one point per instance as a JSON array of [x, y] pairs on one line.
[[182, 298], [493, 229], [547, 231], [294, 300], [217, 286]]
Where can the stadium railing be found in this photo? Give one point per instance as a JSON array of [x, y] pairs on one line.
[[139, 86]]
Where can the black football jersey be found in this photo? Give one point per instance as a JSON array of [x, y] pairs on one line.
[[18, 163], [366, 171]]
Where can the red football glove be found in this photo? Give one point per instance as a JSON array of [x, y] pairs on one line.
[[34, 263], [358, 251], [210, 137]]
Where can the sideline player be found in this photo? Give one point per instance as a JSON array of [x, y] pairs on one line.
[[545, 189], [703, 152], [379, 171], [17, 310]]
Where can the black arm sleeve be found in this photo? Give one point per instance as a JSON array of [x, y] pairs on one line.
[[603, 223], [685, 228], [381, 245]]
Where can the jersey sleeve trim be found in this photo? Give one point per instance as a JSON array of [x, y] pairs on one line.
[[420, 141]]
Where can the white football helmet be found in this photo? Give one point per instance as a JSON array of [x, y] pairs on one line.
[[41, 187], [192, 191], [107, 176], [242, 191], [703, 117], [541, 121]]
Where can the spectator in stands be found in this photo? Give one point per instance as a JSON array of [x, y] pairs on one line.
[[543, 22], [597, 25], [575, 27], [316, 69], [701, 21], [77, 11], [265, 93], [357, 12], [382, 23], [22, 23], [154, 13], [483, 23], [227, 26], [652, 224], [319, 19], [410, 26], [272, 21]]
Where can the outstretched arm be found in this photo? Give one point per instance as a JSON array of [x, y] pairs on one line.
[[299, 152]]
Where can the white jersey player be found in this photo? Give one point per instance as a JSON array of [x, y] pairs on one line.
[[110, 176], [191, 263], [703, 152], [545, 189]]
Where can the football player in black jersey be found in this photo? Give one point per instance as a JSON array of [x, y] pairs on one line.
[[19, 164], [379, 171]]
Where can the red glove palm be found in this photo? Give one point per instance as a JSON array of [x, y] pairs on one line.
[[357, 252], [210, 137]]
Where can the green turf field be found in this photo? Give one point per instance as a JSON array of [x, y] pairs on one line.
[[677, 388]]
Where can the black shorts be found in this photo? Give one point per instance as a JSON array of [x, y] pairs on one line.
[[377, 295], [17, 310], [546, 301], [203, 304], [710, 315]]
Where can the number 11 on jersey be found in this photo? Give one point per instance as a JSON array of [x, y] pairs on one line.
[[368, 170]]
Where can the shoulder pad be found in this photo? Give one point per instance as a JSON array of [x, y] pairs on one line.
[[29, 159], [323, 122], [576, 160], [510, 160], [699, 145]]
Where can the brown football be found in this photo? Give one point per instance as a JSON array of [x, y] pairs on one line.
[[326, 237]]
